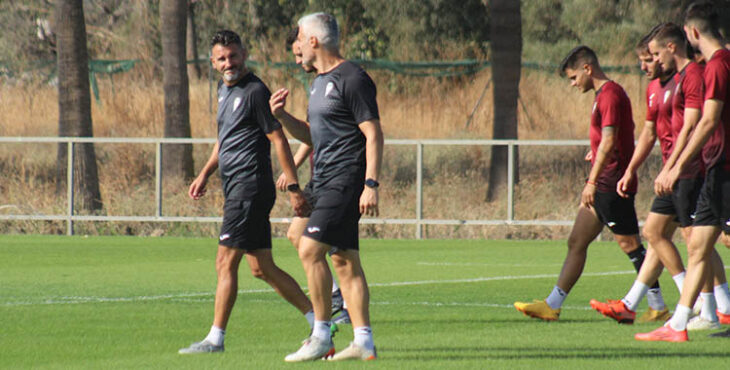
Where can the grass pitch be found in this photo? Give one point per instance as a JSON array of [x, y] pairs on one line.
[[123, 302]]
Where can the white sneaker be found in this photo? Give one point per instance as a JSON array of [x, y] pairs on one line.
[[697, 308], [201, 347], [355, 352], [312, 348], [701, 323]]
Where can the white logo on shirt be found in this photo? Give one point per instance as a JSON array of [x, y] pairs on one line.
[[328, 89], [595, 104], [224, 237], [667, 94], [236, 103], [651, 100], [311, 92], [220, 99], [313, 229]]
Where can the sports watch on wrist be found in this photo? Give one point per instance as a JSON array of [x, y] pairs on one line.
[[293, 187], [371, 183]]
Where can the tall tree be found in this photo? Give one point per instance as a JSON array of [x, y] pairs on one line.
[[192, 42], [74, 101], [177, 159], [506, 55]]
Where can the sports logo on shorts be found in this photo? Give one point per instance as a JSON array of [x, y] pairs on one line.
[[610, 224], [224, 237], [727, 222], [236, 103], [313, 229]]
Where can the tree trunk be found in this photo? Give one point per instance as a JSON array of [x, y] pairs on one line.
[[74, 103], [192, 43], [177, 159], [506, 55]]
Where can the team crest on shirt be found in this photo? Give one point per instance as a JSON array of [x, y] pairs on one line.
[[651, 100], [667, 94], [236, 103], [595, 104], [679, 86], [328, 89]]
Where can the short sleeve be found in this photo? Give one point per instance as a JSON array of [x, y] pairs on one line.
[[360, 96], [261, 112], [652, 104], [694, 90], [716, 82], [610, 109]]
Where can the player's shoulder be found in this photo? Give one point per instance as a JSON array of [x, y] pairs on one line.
[[253, 86], [350, 71], [653, 86], [612, 90], [719, 60]]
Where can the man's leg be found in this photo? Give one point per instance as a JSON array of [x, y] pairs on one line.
[[263, 267], [586, 228]]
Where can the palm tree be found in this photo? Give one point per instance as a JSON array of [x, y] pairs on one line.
[[177, 159], [506, 55], [74, 101]]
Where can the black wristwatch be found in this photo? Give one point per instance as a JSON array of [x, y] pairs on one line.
[[371, 183], [293, 187]]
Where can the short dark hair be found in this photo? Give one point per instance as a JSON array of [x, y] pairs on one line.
[[643, 45], [226, 38], [703, 15], [578, 56], [292, 36]]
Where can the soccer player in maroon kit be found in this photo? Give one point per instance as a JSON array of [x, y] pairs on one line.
[[612, 145], [712, 139], [660, 224]]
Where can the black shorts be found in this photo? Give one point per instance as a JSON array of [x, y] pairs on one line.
[[616, 212], [335, 216], [682, 202], [713, 204], [246, 222]]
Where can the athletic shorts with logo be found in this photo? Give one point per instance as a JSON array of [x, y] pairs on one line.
[[335, 215], [616, 212], [713, 205], [682, 202], [246, 220]]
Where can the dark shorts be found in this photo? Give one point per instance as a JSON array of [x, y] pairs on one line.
[[616, 212], [246, 222], [682, 202], [335, 216], [713, 204]]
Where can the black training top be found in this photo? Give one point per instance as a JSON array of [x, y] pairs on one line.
[[244, 153], [339, 101]]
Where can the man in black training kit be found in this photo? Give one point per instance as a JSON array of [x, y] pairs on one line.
[[242, 153], [344, 128]]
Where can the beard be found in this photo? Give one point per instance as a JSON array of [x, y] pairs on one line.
[[231, 76]]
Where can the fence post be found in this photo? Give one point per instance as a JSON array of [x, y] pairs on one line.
[[158, 179], [419, 190], [70, 188], [510, 181]]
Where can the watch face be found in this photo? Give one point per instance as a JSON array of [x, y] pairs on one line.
[[371, 183]]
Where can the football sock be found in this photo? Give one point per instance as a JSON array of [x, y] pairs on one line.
[[635, 294], [556, 298], [215, 336], [637, 257], [709, 306], [364, 337], [321, 330], [335, 287], [310, 318], [679, 319], [655, 299], [679, 280], [722, 296]]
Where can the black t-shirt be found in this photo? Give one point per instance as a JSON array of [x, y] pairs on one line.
[[339, 101], [244, 153]]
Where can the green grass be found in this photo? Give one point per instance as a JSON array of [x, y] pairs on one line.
[[125, 302]]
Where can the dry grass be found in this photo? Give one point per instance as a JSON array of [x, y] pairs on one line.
[[455, 180]]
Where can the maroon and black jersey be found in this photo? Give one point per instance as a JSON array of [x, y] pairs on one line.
[[659, 111], [612, 108], [717, 83], [689, 93]]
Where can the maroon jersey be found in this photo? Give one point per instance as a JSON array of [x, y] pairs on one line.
[[612, 107], [689, 93], [717, 83], [659, 111]]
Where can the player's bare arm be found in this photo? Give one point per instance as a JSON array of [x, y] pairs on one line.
[[283, 153], [197, 187], [374, 158], [296, 127], [691, 118], [711, 109], [299, 157], [643, 148], [608, 142]]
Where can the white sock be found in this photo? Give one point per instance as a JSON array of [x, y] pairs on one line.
[[310, 318], [321, 330], [679, 280], [335, 287], [655, 299], [722, 296], [679, 320], [635, 294], [215, 335], [709, 306], [364, 337], [556, 298]]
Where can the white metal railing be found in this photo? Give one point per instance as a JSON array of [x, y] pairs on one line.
[[418, 221]]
